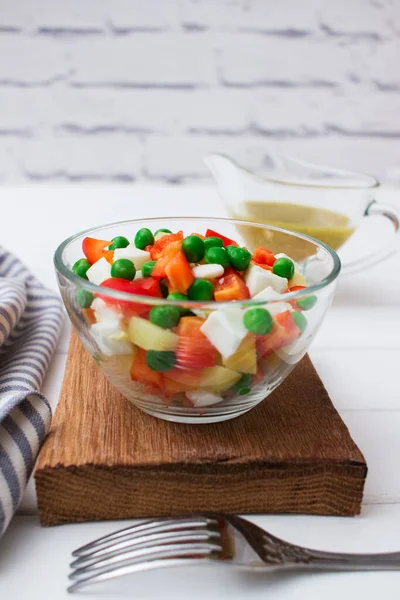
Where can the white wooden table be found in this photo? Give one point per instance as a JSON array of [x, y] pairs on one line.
[[357, 354]]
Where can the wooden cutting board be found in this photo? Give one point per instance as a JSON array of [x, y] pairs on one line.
[[105, 459]]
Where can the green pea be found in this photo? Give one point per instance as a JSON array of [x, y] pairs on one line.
[[144, 238], [217, 256], [201, 289], [300, 320], [213, 242], [118, 242], [243, 386], [165, 316], [80, 267], [148, 267], [162, 231], [239, 258], [84, 298], [160, 360], [283, 267], [307, 303], [123, 268], [193, 248], [258, 320], [180, 297]]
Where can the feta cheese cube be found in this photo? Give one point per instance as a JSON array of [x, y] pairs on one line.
[[275, 308], [209, 271], [103, 311], [139, 274], [99, 271], [258, 279], [137, 256], [225, 330], [110, 338], [200, 398], [266, 294]]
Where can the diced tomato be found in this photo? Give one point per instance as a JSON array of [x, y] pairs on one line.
[[293, 303], [194, 349], [226, 241], [95, 249], [88, 313], [231, 286], [159, 247], [262, 256], [145, 286], [283, 333], [169, 252], [142, 373], [179, 273]]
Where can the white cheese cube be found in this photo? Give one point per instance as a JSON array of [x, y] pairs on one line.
[[258, 278], [225, 330], [137, 256], [103, 311], [209, 271], [110, 338], [200, 398], [139, 274], [275, 308], [266, 294], [99, 271]]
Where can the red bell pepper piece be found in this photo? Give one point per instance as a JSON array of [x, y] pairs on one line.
[[180, 275], [262, 256], [95, 249], [160, 247], [145, 286], [230, 286], [283, 333], [226, 241], [194, 350]]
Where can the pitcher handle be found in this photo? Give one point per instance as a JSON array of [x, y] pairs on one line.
[[390, 248]]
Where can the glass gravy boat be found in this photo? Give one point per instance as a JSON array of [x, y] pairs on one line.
[[322, 202]]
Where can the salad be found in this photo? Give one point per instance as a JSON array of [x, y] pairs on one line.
[[194, 354]]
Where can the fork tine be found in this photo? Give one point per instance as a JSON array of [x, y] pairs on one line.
[[195, 535], [145, 559], [136, 568], [144, 526]]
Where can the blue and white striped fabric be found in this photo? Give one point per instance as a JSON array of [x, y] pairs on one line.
[[30, 323]]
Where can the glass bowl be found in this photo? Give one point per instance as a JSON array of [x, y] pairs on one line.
[[206, 384]]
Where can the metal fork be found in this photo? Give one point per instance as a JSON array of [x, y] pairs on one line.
[[206, 539]]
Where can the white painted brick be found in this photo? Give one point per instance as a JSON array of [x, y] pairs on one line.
[[250, 60], [102, 157], [144, 59], [181, 157], [258, 15], [356, 17], [84, 110], [29, 60], [86, 15], [383, 64]]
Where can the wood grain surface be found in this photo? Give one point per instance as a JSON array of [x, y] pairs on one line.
[[105, 459]]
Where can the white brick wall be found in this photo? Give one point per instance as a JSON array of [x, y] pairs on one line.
[[128, 90]]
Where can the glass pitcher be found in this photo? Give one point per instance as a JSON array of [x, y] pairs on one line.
[[325, 203]]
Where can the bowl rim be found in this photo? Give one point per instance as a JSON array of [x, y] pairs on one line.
[[62, 268]]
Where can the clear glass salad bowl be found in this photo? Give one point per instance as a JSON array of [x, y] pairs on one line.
[[202, 381]]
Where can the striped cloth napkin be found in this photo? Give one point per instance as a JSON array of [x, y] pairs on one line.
[[30, 323]]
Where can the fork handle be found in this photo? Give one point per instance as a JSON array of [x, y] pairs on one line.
[[352, 562]]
